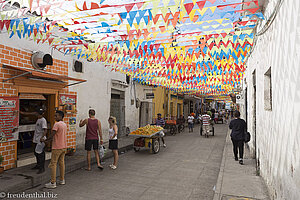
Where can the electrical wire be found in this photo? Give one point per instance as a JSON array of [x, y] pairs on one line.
[[265, 27], [271, 18]]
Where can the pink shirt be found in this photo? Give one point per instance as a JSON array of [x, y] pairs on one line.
[[60, 138]]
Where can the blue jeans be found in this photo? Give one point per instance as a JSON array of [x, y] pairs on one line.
[[191, 125]]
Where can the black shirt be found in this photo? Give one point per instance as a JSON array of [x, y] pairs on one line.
[[239, 128]]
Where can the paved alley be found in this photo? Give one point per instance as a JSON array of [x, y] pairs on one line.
[[187, 169]]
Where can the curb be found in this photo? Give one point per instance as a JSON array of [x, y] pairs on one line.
[[30, 182], [217, 195]]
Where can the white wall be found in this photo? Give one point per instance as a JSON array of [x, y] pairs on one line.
[[95, 93], [278, 130]]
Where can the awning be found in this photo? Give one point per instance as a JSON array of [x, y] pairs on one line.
[[31, 96], [42, 74]]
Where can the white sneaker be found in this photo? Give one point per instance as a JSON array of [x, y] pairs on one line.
[[113, 167], [50, 185], [164, 145], [63, 182]]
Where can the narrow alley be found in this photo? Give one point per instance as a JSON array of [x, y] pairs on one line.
[[186, 169], [81, 76]]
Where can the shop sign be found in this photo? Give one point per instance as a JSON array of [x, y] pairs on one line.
[[228, 106], [239, 99], [68, 102], [72, 123], [9, 118], [149, 95]]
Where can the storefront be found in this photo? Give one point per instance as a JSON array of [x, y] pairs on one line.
[[26, 89]]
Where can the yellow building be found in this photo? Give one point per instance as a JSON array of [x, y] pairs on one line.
[[168, 103]]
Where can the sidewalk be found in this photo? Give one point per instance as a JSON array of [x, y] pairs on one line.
[[23, 178], [239, 182]]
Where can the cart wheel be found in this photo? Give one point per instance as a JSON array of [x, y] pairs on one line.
[[155, 146], [213, 131], [136, 149], [173, 130], [201, 130]]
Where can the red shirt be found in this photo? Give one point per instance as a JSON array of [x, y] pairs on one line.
[[92, 129]]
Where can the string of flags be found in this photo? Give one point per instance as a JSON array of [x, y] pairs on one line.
[[188, 46]]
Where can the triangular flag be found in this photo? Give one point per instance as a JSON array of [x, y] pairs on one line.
[[128, 7], [189, 7], [201, 4]]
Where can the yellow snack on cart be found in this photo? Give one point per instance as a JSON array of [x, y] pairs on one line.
[[146, 130]]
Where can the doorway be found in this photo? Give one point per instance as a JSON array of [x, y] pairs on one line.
[[30, 103], [256, 154], [146, 113], [117, 109], [179, 110]]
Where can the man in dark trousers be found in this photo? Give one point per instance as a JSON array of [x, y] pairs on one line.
[[39, 134], [93, 129], [239, 128]]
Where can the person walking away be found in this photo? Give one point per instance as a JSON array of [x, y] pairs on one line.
[[161, 122], [59, 149], [39, 134], [191, 122], [113, 140], [93, 132], [216, 117], [238, 127], [205, 123], [226, 117]]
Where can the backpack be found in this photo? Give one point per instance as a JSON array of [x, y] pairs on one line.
[[247, 137]]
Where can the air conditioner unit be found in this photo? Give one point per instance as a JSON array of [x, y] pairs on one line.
[[40, 60]]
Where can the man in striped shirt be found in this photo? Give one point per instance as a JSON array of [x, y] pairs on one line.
[[205, 122], [161, 122]]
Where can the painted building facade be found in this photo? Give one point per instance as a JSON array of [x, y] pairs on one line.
[[168, 103], [109, 93], [272, 108]]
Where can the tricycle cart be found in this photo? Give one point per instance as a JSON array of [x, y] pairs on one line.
[[151, 142], [212, 129], [171, 124]]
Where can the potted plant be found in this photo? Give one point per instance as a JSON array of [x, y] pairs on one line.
[[1, 168], [70, 151]]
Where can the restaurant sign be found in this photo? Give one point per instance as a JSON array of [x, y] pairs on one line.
[[9, 119]]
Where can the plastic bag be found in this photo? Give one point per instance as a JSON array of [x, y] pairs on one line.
[[101, 151], [40, 146]]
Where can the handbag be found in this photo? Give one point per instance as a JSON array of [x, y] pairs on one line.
[[247, 137]]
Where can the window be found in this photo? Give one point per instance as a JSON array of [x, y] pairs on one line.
[[268, 90], [78, 66]]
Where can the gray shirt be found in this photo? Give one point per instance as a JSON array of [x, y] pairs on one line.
[[40, 125]]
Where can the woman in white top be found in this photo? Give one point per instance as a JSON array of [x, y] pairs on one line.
[[113, 140]]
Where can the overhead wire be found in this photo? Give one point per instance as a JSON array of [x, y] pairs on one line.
[[266, 26]]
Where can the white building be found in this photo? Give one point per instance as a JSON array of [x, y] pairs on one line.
[[272, 88], [109, 94]]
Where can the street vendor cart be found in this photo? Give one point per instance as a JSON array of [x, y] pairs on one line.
[[147, 139], [171, 125]]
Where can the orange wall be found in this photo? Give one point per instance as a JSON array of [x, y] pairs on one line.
[[19, 58]]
